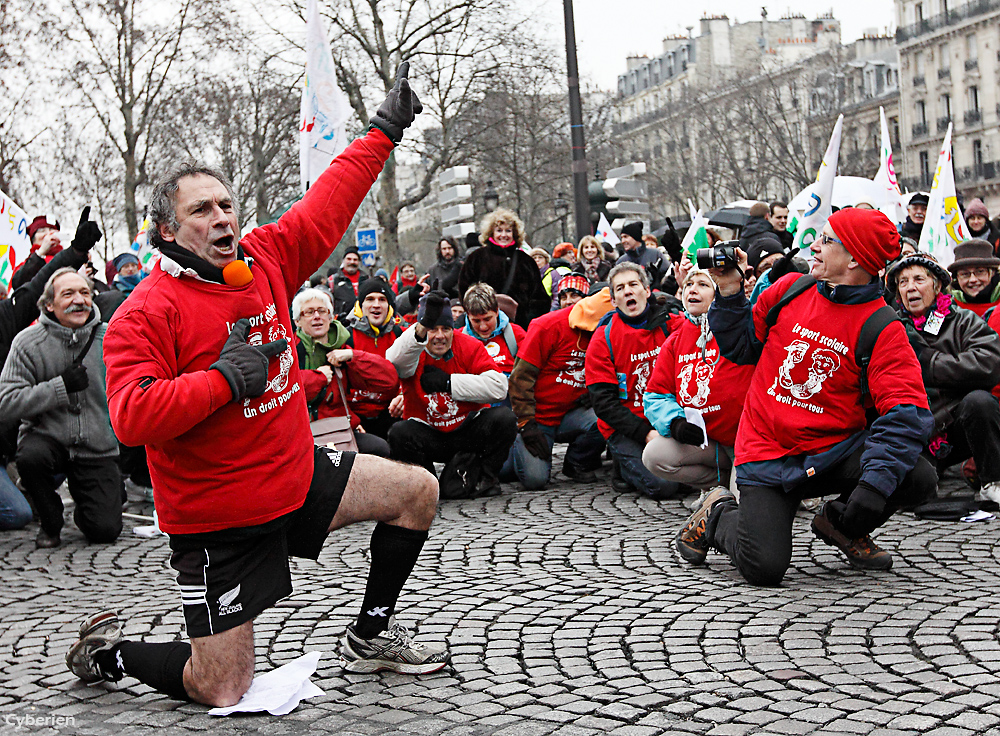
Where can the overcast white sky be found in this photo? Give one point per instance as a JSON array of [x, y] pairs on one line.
[[609, 30]]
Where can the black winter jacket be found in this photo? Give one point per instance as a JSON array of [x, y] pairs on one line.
[[491, 265]]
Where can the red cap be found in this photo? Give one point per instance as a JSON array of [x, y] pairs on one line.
[[39, 222], [868, 235], [573, 281]]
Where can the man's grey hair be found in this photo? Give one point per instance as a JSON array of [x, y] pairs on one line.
[[310, 295], [627, 266], [48, 297], [163, 202]]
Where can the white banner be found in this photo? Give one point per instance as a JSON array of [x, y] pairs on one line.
[[944, 226], [885, 177], [15, 245], [820, 205], [325, 108], [605, 233]]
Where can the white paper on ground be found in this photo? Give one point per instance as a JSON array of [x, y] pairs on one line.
[[979, 516], [278, 691], [694, 416], [148, 532]]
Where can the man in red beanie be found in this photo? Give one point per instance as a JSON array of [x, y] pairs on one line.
[[803, 431]]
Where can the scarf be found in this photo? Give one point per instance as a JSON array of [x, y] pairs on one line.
[[316, 350], [590, 266], [361, 322], [942, 305]]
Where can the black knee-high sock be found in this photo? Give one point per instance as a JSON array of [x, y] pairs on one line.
[[394, 553], [159, 665]]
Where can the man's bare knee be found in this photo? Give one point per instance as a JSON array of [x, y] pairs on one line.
[[221, 667], [388, 491]]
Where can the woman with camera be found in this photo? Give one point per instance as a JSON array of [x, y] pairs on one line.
[[693, 390]]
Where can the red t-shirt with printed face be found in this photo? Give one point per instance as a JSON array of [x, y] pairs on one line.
[[440, 409], [635, 352], [367, 403], [558, 351], [497, 349], [711, 384]]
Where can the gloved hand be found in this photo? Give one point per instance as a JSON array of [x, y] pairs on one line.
[[435, 303], [245, 366], [87, 233], [75, 378], [671, 242], [781, 267], [401, 106], [686, 433], [862, 512], [535, 441], [434, 380]]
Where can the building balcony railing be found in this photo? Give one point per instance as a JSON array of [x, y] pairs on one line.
[[919, 129], [948, 18], [973, 116], [942, 123], [981, 172], [971, 64], [919, 81], [944, 73]]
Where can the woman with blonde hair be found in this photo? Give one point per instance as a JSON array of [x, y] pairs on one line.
[[503, 264], [590, 260]]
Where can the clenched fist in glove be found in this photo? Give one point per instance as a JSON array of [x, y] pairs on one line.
[[434, 380], [686, 433], [862, 512], [245, 366], [75, 378], [401, 106], [535, 441], [87, 233], [432, 308]]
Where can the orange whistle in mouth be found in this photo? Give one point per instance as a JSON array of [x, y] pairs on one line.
[[237, 273]]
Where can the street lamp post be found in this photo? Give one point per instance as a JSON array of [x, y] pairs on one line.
[[491, 200], [561, 206], [581, 203]]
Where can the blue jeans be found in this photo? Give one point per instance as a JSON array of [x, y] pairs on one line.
[[628, 454], [578, 428], [15, 513]]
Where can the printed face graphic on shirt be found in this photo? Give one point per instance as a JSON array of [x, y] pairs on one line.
[[823, 364], [702, 373], [574, 374], [441, 407], [276, 332], [641, 373]]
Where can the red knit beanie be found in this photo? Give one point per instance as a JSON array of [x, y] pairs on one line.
[[868, 235]]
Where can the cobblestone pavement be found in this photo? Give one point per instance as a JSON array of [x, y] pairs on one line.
[[567, 612]]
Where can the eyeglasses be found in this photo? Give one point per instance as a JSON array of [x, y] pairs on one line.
[[825, 239], [321, 311], [979, 273]]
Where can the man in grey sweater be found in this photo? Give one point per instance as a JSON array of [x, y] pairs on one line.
[[53, 383]]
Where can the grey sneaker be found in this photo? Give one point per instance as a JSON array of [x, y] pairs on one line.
[[691, 541], [97, 634], [393, 649]]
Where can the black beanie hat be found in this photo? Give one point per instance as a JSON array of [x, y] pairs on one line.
[[764, 245], [634, 229], [379, 285]]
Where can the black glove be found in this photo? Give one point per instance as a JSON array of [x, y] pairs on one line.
[[535, 441], [400, 107], [414, 292], [782, 266], [75, 378], [87, 233], [686, 433], [434, 304], [245, 366], [671, 242], [862, 512], [434, 380]]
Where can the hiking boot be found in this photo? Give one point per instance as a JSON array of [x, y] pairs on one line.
[[99, 633], [691, 541], [47, 541], [574, 472], [861, 553], [393, 649]]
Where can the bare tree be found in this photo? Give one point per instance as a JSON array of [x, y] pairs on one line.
[[122, 65]]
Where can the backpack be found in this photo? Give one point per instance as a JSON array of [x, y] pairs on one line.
[[508, 337], [870, 330]]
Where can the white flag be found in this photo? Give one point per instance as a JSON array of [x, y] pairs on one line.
[[325, 108], [820, 205], [605, 233], [885, 177], [15, 245], [944, 226]]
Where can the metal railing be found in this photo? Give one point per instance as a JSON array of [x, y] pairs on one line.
[[919, 81], [947, 18], [973, 116], [983, 171], [919, 129], [942, 123], [971, 64], [944, 73]]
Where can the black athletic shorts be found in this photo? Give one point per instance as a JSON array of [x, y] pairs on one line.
[[228, 577]]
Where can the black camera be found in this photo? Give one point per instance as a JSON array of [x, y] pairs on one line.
[[722, 255]]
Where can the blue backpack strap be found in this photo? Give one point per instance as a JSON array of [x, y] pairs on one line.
[[607, 336]]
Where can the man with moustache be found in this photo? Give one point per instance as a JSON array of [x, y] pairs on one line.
[[53, 383]]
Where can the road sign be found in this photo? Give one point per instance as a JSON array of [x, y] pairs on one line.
[[367, 245], [458, 212], [460, 193], [621, 207], [458, 230], [632, 169], [629, 188], [454, 175]]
